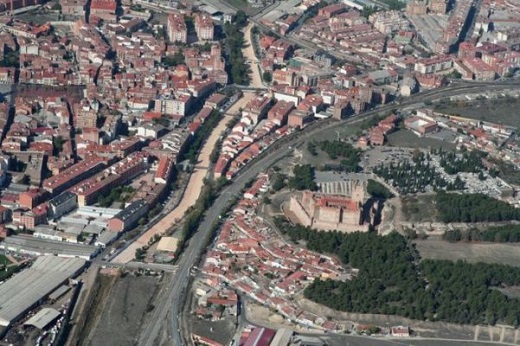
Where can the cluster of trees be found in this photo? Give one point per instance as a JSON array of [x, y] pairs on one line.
[[371, 122], [11, 59], [204, 131], [473, 208], [392, 280], [215, 153], [454, 163], [415, 177], [57, 143], [378, 190], [337, 149], [303, 178], [7, 272], [502, 234], [241, 18], [278, 181], [238, 69], [394, 4], [368, 11], [163, 120], [195, 214], [266, 76], [118, 194], [176, 59]]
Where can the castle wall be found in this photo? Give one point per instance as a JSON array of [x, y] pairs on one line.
[[300, 213]]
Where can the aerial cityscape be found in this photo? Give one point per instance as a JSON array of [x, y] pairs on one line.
[[259, 173]]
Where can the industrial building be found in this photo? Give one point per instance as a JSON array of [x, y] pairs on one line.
[[38, 247], [106, 238], [128, 217], [28, 288], [43, 318], [62, 204]]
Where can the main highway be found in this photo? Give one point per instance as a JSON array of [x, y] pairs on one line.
[[173, 296]]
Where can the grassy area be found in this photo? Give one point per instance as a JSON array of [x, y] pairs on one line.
[[6, 274], [242, 5], [407, 139], [419, 208], [501, 111], [508, 254], [4, 260]]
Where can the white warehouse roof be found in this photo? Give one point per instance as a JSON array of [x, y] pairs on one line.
[[25, 289]]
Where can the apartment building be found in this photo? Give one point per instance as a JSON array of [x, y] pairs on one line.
[[177, 29], [204, 27]]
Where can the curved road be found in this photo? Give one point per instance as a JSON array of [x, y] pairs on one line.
[[174, 295]]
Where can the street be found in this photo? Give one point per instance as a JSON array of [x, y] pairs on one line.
[[177, 288]]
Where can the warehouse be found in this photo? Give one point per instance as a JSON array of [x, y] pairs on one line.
[[37, 247], [43, 318], [128, 217], [26, 289]]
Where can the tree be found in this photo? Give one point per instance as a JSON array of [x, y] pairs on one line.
[[176, 59], [278, 181], [266, 76], [11, 59], [368, 11], [392, 280], [473, 208], [57, 143], [378, 190], [240, 18], [303, 178]]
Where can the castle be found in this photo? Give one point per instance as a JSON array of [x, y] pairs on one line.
[[326, 211]]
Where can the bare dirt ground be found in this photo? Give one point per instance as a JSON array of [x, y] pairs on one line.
[[419, 208], [192, 191], [471, 252], [405, 138], [130, 299], [221, 331], [249, 54], [501, 111]]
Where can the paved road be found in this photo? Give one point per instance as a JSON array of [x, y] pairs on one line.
[[174, 294], [339, 339]]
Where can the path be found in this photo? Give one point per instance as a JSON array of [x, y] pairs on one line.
[[192, 192], [249, 54]]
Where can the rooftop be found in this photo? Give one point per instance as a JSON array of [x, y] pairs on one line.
[[43, 318], [24, 290]]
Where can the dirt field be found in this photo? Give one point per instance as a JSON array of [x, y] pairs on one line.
[[249, 54], [502, 111], [194, 186], [405, 138], [419, 208], [242, 5], [130, 299], [223, 330], [484, 252]]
